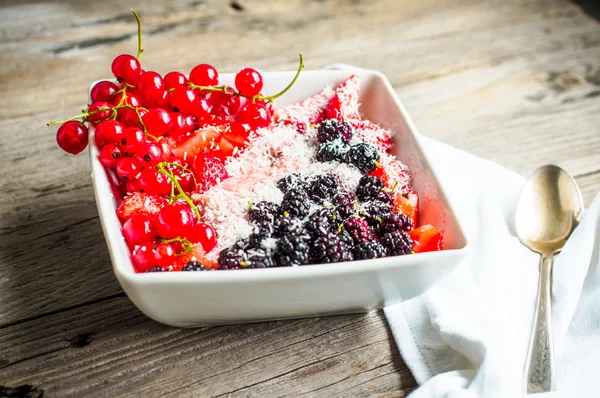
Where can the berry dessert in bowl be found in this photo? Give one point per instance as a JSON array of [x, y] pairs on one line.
[[221, 202]]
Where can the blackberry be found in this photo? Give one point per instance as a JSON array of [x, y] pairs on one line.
[[193, 266], [368, 250], [333, 129], [260, 233], [358, 228], [394, 222], [294, 180], [372, 188], [322, 222], [293, 250], [374, 211], [264, 212], [159, 269], [324, 188], [397, 243], [346, 238], [258, 258], [344, 204], [330, 249], [232, 257], [296, 203], [332, 151], [363, 156], [289, 226]]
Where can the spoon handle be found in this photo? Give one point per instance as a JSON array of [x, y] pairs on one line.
[[540, 359]]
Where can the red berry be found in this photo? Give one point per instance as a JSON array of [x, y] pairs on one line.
[[130, 99], [129, 117], [202, 108], [173, 220], [186, 180], [237, 133], [174, 79], [157, 121], [225, 103], [163, 102], [165, 254], [153, 182], [149, 154], [72, 137], [204, 75], [103, 91], [131, 186], [109, 131], [208, 171], [126, 68], [248, 82], [202, 233], [254, 114], [127, 168], [99, 111], [140, 203], [110, 155], [142, 257], [150, 86], [182, 124], [183, 99], [138, 229], [132, 139]]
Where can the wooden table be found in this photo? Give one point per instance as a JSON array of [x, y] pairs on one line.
[[516, 81]]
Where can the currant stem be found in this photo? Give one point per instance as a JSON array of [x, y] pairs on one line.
[[139, 24], [187, 245], [279, 94], [164, 170]]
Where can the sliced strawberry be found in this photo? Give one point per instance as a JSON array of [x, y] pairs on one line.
[[182, 260], [201, 140], [223, 150], [426, 239], [140, 203], [344, 104], [394, 174], [237, 133], [373, 134], [408, 203], [208, 171]]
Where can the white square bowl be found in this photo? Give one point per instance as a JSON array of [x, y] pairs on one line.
[[188, 299]]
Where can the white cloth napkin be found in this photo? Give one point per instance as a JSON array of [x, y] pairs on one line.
[[468, 335]]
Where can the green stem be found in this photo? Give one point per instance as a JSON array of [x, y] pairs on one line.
[[187, 245], [279, 94], [164, 170], [210, 88], [139, 24]]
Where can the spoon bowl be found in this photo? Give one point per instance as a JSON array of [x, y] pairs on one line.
[[549, 209]]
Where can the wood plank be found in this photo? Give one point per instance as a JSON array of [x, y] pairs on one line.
[[110, 349]]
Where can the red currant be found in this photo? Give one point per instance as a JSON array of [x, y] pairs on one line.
[[110, 155], [126, 68], [157, 121], [99, 111], [165, 254], [182, 124], [149, 154], [129, 117], [131, 139], [254, 114], [225, 103], [131, 186], [130, 99], [173, 220], [103, 91], [163, 102], [174, 79], [202, 233], [185, 179], [143, 257], [153, 182], [150, 86], [204, 75], [109, 131], [202, 108], [127, 168], [248, 82], [183, 99], [72, 137], [138, 229]]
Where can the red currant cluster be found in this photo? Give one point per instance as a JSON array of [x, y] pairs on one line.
[[166, 138]]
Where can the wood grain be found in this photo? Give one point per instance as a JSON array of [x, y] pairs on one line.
[[517, 82]]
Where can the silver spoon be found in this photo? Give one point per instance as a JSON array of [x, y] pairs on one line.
[[548, 210]]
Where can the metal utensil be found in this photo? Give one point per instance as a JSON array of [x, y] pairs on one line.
[[548, 210]]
